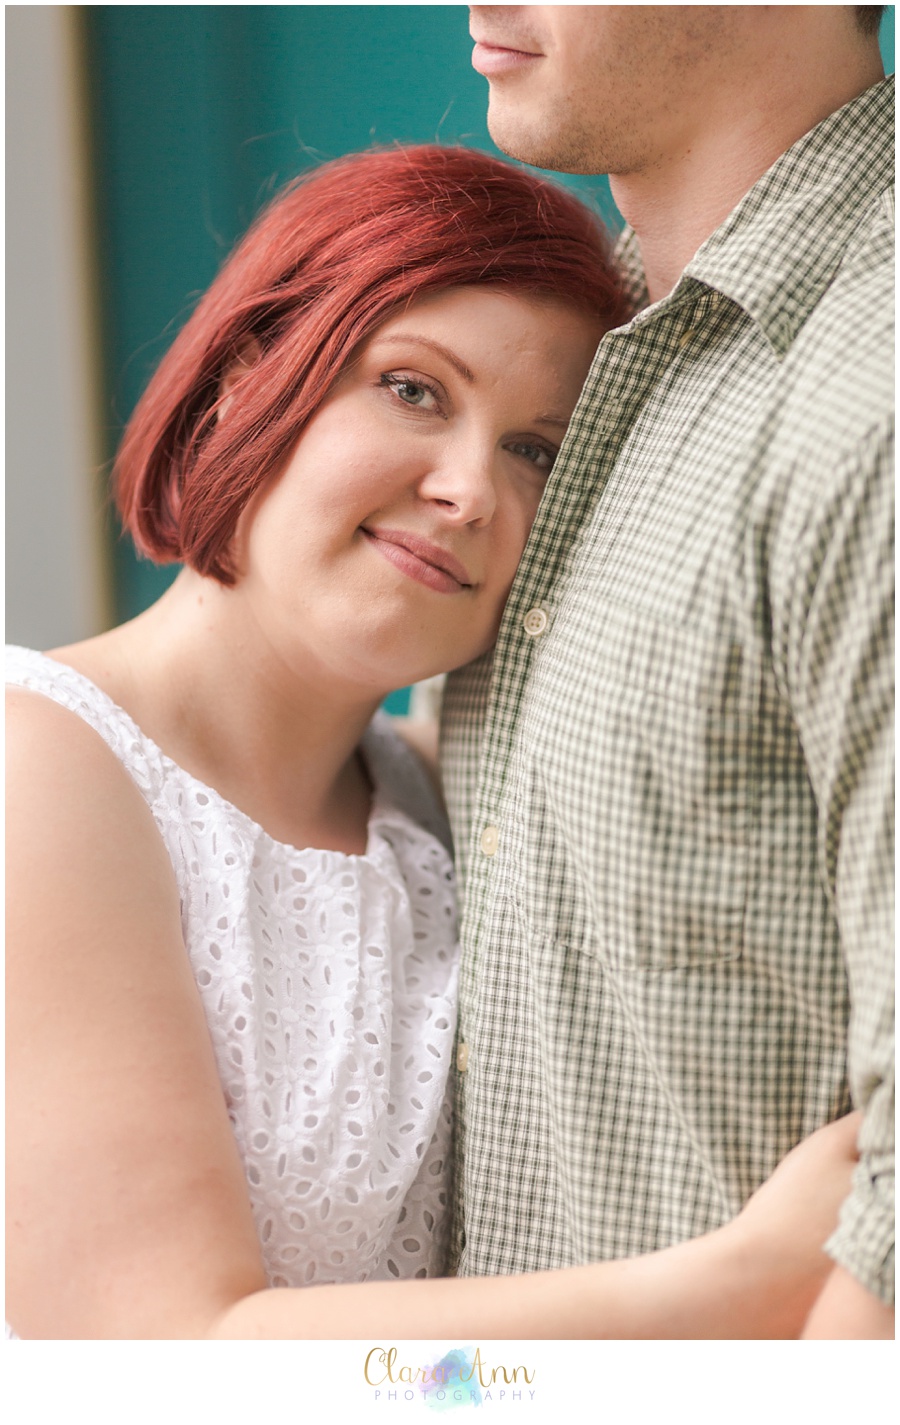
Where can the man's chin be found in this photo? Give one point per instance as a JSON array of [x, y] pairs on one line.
[[534, 143], [514, 138]]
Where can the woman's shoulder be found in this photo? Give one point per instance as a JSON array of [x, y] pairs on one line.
[[69, 804], [406, 776], [56, 762], [73, 754], [36, 682]]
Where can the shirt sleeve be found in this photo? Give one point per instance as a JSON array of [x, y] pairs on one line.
[[836, 637]]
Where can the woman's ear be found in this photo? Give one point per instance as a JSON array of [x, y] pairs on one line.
[[248, 353]]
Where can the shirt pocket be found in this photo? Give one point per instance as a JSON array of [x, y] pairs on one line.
[[646, 789]]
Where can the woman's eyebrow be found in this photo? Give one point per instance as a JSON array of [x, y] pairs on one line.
[[415, 340], [412, 338]]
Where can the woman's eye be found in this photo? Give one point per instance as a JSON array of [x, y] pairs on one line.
[[539, 455], [412, 393]]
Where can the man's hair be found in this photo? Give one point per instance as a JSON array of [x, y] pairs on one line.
[[330, 260], [868, 18]]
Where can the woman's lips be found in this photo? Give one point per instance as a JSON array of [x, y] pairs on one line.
[[427, 563], [493, 60]]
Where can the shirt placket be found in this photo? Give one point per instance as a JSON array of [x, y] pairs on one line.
[[628, 365]]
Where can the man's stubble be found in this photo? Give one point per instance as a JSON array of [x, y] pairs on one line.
[[562, 142]]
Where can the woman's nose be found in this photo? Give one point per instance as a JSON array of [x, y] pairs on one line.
[[463, 483]]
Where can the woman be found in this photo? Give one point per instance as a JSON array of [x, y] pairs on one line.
[[345, 447]]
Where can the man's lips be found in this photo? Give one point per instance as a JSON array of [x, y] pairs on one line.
[[493, 59], [418, 558]]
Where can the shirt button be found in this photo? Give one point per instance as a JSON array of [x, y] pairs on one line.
[[490, 840], [462, 1058], [534, 622], [687, 337]]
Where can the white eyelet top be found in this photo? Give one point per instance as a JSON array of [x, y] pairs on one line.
[[329, 986]]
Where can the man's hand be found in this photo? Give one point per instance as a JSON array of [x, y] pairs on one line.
[[846, 1311]]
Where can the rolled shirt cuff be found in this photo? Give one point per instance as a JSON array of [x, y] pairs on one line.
[[863, 1242]]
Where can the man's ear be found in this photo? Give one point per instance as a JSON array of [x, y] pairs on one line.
[[248, 353]]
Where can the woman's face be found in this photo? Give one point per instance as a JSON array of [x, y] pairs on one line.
[[386, 547]]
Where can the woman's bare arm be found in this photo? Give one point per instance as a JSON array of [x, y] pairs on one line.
[[128, 1210], [129, 1213], [755, 1278]]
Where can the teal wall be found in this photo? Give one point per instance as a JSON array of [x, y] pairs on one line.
[[201, 111], [886, 38]]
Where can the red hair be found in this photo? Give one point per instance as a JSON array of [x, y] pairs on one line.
[[323, 266]]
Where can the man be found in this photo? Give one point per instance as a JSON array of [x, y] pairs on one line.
[[678, 837]]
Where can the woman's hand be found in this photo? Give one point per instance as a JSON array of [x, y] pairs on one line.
[[781, 1231], [757, 1277], [796, 1208]]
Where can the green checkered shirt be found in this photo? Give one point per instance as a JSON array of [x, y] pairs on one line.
[[672, 793]]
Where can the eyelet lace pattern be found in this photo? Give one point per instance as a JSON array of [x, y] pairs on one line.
[[329, 986]]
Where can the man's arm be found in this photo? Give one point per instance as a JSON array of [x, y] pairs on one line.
[[834, 632]]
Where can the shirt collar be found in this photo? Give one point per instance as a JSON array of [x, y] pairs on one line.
[[778, 250]]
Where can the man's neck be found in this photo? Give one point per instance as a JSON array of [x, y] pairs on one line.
[[676, 203]]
